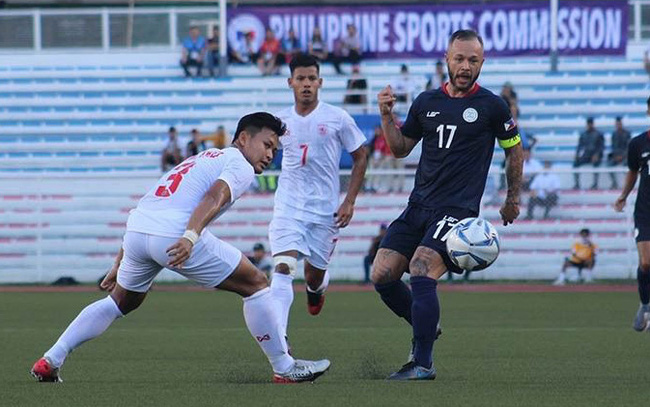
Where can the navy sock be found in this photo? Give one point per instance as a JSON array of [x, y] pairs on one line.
[[643, 280], [426, 314], [397, 296]]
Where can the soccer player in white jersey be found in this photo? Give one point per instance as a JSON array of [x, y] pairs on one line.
[[307, 213], [168, 229]]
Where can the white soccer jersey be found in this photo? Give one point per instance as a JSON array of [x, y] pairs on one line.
[[308, 188], [167, 207]]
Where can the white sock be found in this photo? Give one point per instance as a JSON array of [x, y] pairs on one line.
[[91, 322], [282, 289], [323, 286], [260, 313]]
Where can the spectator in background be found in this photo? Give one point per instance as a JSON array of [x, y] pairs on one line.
[[356, 89], [583, 256], [543, 191], [590, 151], [350, 49], [532, 167], [509, 95], [317, 47], [171, 154], [213, 50], [269, 55], [618, 156], [195, 145], [246, 51], [372, 252], [219, 139], [380, 154], [290, 47], [438, 78], [403, 86], [193, 54], [261, 260]]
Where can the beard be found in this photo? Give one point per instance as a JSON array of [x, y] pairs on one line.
[[470, 83]]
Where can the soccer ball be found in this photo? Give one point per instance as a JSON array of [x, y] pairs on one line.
[[473, 244]]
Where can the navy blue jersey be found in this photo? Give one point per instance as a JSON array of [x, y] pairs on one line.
[[458, 137], [638, 159]]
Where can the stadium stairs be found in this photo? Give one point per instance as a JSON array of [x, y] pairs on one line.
[[64, 124]]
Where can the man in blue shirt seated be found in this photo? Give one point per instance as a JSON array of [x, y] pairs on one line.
[[193, 54]]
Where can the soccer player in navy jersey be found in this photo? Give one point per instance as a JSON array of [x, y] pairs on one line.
[[638, 163], [458, 124]]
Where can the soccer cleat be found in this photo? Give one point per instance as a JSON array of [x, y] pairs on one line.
[[412, 371], [45, 372], [302, 371], [315, 302], [411, 357], [642, 319]]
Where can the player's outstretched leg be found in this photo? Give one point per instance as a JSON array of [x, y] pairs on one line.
[[261, 316], [642, 317], [317, 282], [91, 322]]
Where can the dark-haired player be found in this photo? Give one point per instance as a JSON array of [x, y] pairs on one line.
[[167, 229], [638, 163], [307, 212], [458, 124]]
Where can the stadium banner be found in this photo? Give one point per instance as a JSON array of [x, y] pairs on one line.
[[421, 31]]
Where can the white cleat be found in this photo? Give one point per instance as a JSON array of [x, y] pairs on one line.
[[303, 371]]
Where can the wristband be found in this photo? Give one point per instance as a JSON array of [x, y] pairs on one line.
[[191, 235]]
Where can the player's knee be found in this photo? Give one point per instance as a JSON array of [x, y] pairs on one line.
[[285, 265], [127, 301], [644, 265], [419, 266], [381, 274]]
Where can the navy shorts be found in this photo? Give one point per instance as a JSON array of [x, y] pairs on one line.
[[418, 226], [642, 228]]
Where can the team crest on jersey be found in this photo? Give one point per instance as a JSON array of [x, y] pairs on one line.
[[470, 115], [322, 129]]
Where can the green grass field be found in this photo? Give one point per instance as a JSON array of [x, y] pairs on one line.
[[192, 348]]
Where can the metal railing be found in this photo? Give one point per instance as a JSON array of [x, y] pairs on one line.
[[47, 224]]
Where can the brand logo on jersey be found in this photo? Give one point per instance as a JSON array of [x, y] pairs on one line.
[[322, 129], [470, 115], [509, 125], [263, 338], [432, 114], [644, 155]]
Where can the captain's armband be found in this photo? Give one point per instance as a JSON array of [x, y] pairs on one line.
[[511, 142]]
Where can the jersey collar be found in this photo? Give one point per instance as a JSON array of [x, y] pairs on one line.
[[295, 113], [472, 91]]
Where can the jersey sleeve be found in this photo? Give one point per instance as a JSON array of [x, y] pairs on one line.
[[412, 128], [351, 136], [633, 161], [239, 175], [504, 126]]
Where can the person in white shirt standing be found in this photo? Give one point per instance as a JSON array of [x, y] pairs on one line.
[[307, 214], [168, 229], [543, 191]]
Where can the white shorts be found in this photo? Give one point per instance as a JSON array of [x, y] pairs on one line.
[[313, 241], [211, 261]]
